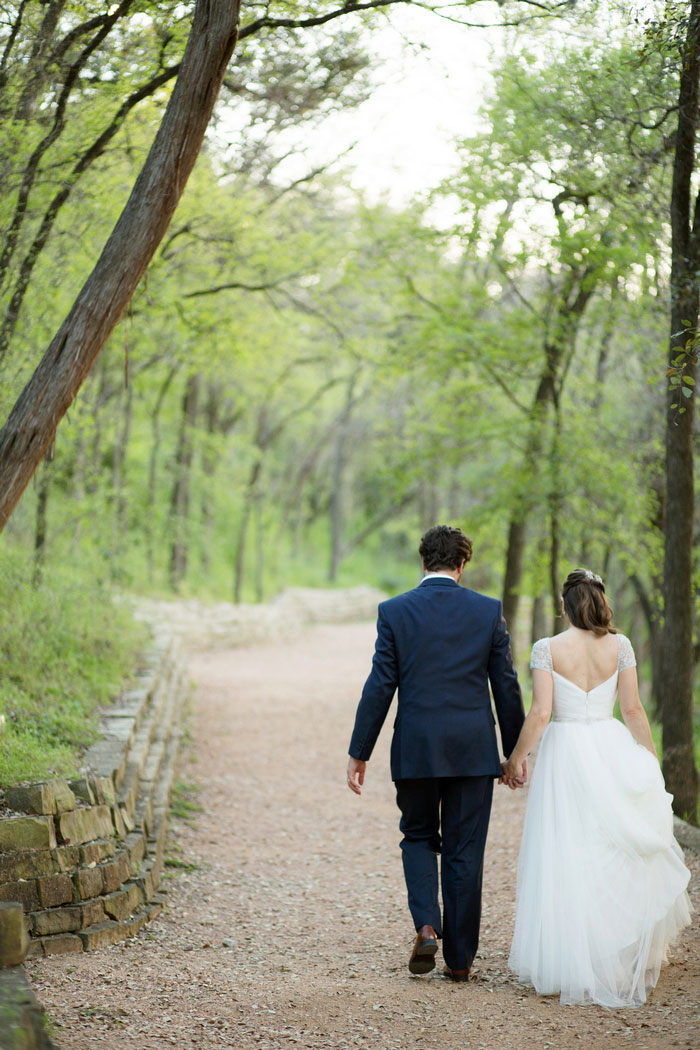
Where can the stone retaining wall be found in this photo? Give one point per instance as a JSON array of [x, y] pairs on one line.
[[203, 626], [84, 857]]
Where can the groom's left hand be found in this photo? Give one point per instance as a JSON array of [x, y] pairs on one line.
[[356, 774]]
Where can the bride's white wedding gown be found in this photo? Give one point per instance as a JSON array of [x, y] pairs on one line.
[[601, 879]]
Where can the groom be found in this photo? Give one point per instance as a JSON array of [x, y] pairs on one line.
[[440, 645]]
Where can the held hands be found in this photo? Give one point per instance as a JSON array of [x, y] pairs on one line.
[[356, 774], [514, 773]]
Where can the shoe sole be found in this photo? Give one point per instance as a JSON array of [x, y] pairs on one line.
[[424, 959]]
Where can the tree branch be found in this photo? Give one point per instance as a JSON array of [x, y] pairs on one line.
[[95, 150], [264, 286], [11, 41], [51, 136]]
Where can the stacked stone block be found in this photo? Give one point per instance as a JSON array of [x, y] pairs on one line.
[[84, 858], [22, 1020]]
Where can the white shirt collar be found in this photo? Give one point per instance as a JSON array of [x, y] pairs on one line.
[[444, 575]]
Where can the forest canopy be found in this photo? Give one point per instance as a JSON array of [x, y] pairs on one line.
[[308, 376]]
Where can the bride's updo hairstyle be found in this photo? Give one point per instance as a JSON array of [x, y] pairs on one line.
[[585, 602]]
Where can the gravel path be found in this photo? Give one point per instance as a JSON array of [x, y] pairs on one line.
[[288, 926]]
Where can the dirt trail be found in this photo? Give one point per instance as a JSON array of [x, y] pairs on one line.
[[291, 927]]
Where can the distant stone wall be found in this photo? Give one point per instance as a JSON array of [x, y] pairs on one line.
[[203, 626], [84, 857]]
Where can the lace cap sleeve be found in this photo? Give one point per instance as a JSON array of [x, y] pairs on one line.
[[541, 656], [625, 653]]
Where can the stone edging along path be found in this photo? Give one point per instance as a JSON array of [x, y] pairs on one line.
[[84, 858]]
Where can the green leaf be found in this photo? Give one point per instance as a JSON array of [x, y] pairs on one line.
[[689, 380], [675, 380], [686, 392], [686, 324]]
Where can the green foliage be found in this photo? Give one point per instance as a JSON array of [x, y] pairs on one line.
[[359, 372], [66, 649]]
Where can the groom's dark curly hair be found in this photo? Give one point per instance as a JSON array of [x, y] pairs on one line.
[[444, 548]]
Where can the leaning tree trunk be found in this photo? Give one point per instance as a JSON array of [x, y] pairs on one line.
[[678, 657], [44, 401]]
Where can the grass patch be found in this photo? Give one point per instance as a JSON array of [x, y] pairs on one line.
[[67, 650], [183, 803], [181, 865]]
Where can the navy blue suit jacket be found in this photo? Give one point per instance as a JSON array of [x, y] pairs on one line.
[[440, 645]]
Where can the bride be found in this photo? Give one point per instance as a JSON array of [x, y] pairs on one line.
[[601, 880]]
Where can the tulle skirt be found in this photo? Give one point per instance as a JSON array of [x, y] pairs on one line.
[[601, 879]]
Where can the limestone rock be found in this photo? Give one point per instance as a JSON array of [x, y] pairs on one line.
[[104, 790], [55, 920], [118, 821], [61, 944], [25, 864], [92, 912], [136, 849], [31, 798], [102, 935], [94, 852], [84, 825], [82, 789], [65, 858], [23, 891], [686, 834], [88, 882], [13, 935], [64, 799], [24, 833], [22, 1018], [55, 889], [123, 903], [115, 872]]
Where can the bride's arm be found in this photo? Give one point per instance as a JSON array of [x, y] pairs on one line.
[[633, 714], [534, 726]]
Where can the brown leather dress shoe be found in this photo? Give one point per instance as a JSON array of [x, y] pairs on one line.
[[423, 955], [456, 975]]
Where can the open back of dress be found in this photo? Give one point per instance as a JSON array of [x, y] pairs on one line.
[[601, 879]]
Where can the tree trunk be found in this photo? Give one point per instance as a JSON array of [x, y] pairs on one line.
[[678, 658], [40, 524], [248, 501], [337, 507], [539, 627], [259, 549], [651, 613], [555, 509], [45, 399], [180, 499], [429, 503], [336, 510], [515, 552], [209, 459], [121, 444], [559, 345], [153, 472]]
